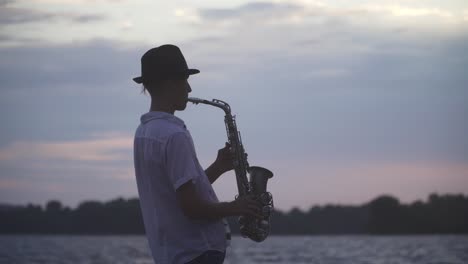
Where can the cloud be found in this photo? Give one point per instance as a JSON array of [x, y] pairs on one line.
[[257, 9], [127, 25], [71, 171], [68, 169], [17, 39], [346, 81], [88, 18], [465, 15], [69, 184], [95, 150], [66, 65], [403, 11], [72, 2], [65, 79], [14, 16], [304, 13], [6, 2], [316, 182], [21, 185], [314, 83], [254, 13]]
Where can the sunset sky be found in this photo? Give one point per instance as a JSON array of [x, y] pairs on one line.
[[342, 100]]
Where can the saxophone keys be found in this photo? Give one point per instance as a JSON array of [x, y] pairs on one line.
[[265, 198], [243, 231], [266, 210], [265, 225], [242, 220]]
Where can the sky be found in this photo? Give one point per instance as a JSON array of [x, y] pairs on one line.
[[342, 100]]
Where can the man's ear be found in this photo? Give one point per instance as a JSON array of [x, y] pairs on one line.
[[166, 86], [169, 85]]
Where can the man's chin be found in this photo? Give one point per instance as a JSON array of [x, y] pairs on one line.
[[182, 107]]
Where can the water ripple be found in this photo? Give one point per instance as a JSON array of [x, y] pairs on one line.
[[276, 249]]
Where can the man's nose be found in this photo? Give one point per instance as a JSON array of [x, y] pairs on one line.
[[189, 89]]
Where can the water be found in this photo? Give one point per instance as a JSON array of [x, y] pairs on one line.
[[276, 249]]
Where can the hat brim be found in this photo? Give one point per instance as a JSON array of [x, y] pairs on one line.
[[138, 79], [188, 72]]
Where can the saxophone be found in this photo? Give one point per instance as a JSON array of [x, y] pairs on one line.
[[253, 228]]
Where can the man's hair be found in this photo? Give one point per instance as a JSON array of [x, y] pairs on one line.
[[152, 87]]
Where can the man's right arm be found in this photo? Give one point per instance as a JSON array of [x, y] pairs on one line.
[[181, 166], [194, 207]]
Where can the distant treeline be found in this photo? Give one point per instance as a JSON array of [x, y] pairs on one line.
[[384, 215]]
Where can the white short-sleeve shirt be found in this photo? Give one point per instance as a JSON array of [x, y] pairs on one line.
[[165, 159]]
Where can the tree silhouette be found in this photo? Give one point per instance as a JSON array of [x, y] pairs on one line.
[[441, 214]]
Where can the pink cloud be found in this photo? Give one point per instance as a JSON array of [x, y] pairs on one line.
[[307, 182], [104, 148]]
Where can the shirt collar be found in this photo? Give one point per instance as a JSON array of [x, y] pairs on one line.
[[152, 115]]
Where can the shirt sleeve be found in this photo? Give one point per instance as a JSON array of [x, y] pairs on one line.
[[180, 162]]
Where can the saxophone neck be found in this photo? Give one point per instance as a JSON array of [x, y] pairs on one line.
[[215, 102]]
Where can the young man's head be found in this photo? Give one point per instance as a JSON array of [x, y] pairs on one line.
[[164, 74]]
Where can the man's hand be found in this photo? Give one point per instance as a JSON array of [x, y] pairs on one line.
[[248, 205], [224, 160], [222, 164], [194, 206]]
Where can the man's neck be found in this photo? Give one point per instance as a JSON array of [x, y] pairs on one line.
[[157, 105], [161, 105]]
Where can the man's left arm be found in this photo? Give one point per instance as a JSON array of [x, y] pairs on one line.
[[222, 164]]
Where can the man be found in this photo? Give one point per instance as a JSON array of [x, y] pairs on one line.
[[182, 215]]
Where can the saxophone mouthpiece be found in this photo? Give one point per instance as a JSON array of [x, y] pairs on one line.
[[194, 100]]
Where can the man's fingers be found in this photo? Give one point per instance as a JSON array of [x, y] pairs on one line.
[[226, 149], [253, 206], [250, 197], [254, 213], [227, 146], [255, 203]]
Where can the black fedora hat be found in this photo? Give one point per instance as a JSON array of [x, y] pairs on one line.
[[162, 63]]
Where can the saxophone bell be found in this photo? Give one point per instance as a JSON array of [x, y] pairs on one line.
[[259, 177]]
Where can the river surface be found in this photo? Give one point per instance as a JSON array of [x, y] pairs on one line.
[[429, 249]]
